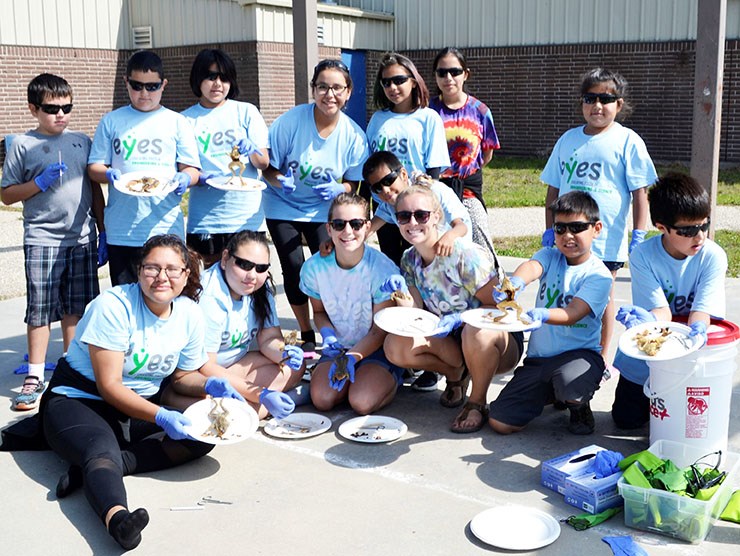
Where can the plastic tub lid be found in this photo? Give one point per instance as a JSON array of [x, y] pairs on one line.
[[720, 331]]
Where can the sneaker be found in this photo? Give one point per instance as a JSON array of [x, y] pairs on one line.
[[426, 382], [30, 394], [581, 419]]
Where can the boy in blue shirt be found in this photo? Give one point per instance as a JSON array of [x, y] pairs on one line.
[[678, 273], [45, 169], [563, 361], [142, 136]]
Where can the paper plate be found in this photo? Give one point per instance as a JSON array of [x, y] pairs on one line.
[[243, 421], [406, 321], [515, 527], [165, 186], [483, 318], [676, 345], [231, 183], [373, 429], [298, 425]]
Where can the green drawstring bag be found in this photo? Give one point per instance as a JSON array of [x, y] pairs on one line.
[[732, 510], [584, 521]]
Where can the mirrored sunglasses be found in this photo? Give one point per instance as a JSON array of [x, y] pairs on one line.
[[603, 98], [139, 86], [356, 224], [246, 264], [573, 227], [421, 216], [55, 108]]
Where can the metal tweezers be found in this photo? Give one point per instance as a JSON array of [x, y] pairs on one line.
[[211, 500]]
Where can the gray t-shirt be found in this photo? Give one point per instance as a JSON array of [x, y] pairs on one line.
[[61, 215]]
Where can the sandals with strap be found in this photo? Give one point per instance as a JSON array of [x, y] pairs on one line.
[[463, 415], [447, 398]]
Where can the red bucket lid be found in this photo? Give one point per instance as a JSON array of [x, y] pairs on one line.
[[720, 331]]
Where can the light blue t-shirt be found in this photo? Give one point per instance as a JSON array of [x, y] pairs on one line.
[[130, 140], [560, 282], [416, 138], [119, 320], [295, 143], [609, 166], [217, 130], [696, 283], [231, 324], [348, 295]]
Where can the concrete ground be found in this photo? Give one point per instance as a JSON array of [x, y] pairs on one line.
[[328, 496]]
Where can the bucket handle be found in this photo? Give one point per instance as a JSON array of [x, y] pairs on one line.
[[650, 394]]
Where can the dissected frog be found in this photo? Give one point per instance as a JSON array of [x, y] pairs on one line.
[[340, 369], [651, 344], [143, 185], [219, 417], [508, 288]]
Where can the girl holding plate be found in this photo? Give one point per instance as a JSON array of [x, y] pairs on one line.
[[447, 286]]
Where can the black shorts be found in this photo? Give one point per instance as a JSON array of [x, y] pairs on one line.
[[208, 244], [613, 266]]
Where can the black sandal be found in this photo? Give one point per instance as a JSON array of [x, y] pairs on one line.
[[447, 399], [463, 415]]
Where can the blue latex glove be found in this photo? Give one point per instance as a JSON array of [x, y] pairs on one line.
[[204, 177], [102, 248], [339, 384], [287, 181], [699, 328], [295, 357], [538, 316], [638, 236], [220, 387], [548, 238], [606, 463], [112, 174], [447, 324], [183, 182], [394, 283], [50, 175], [632, 315], [330, 345], [327, 191], [517, 282], [173, 423], [278, 404], [246, 147], [624, 546]]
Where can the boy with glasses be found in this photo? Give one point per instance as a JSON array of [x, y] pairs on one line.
[[680, 272], [45, 169], [143, 136]]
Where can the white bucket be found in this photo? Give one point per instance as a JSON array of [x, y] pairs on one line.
[[690, 397]]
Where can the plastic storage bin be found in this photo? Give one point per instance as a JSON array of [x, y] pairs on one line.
[[681, 517]]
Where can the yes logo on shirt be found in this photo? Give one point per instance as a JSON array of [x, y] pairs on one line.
[[580, 170], [132, 146], [396, 146], [206, 140], [306, 171], [552, 296], [153, 366]]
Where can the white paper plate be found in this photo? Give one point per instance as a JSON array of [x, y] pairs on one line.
[[406, 321], [373, 429], [166, 185], [676, 345], [483, 318], [243, 421], [515, 527], [298, 425], [231, 183]]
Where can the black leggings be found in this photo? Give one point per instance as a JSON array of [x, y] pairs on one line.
[[286, 236], [122, 264], [87, 434]]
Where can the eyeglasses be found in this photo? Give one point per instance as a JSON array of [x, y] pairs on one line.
[[421, 216], [386, 181], [356, 223], [323, 89], [454, 72], [213, 75], [396, 80], [139, 86], [603, 98], [55, 108], [246, 264], [690, 231], [573, 227], [153, 271]]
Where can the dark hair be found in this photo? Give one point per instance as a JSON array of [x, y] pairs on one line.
[[190, 259], [576, 202], [597, 76], [375, 160], [260, 299], [332, 64], [349, 199], [457, 54], [202, 67], [47, 84], [677, 196], [145, 60], [419, 94]]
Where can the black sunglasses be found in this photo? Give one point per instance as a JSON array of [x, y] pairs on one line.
[[573, 227], [385, 181], [246, 264], [356, 223], [139, 86], [396, 80], [213, 75], [603, 98], [690, 231], [55, 108], [454, 72], [421, 216]]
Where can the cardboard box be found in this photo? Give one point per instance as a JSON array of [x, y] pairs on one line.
[[586, 492], [557, 470]]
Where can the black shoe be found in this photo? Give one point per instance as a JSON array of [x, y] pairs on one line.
[[581, 419], [426, 382]]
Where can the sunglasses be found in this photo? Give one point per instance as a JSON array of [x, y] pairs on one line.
[[603, 98], [356, 223], [690, 231], [386, 181], [573, 227], [55, 108], [213, 75], [421, 216], [246, 264], [454, 72], [396, 80], [139, 86]]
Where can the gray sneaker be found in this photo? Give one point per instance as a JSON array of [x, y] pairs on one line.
[[30, 394]]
